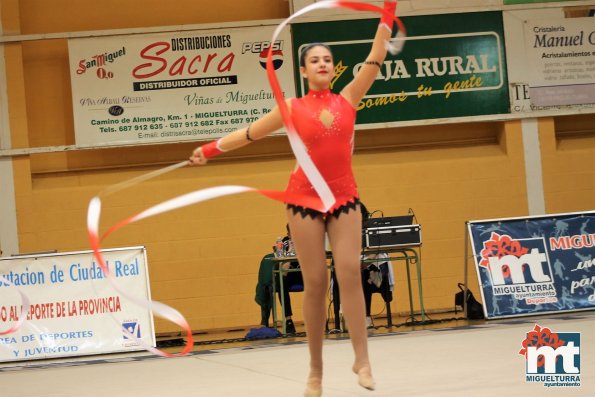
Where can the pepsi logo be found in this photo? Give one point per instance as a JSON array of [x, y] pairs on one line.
[[277, 58]]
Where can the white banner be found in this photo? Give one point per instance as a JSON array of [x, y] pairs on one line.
[[74, 308], [195, 85], [561, 56]]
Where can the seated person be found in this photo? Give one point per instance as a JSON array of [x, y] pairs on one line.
[[292, 281]]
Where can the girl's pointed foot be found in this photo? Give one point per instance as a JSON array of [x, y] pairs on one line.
[[313, 386], [364, 377], [310, 392]]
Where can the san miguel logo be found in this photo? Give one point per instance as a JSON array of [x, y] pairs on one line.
[[520, 268], [100, 63], [553, 358]]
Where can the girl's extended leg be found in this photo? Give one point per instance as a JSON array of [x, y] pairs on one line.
[[345, 235], [308, 238]]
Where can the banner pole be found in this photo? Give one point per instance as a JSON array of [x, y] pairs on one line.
[[465, 271]]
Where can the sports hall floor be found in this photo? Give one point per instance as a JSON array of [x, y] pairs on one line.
[[446, 358]]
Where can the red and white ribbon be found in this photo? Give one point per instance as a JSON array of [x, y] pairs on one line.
[[94, 211], [326, 196]]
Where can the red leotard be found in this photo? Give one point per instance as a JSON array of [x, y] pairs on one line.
[[325, 122]]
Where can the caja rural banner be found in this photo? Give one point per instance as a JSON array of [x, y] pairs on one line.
[[451, 66], [535, 265], [195, 85], [74, 309]]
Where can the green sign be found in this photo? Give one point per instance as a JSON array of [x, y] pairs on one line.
[[451, 66], [507, 2]]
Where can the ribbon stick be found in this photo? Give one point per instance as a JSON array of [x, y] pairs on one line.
[[133, 181], [299, 149]]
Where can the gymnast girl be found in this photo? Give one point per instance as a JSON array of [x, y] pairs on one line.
[[325, 123]]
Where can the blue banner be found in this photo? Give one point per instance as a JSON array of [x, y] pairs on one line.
[[535, 265]]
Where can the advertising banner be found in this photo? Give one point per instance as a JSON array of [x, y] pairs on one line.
[[195, 85], [561, 55], [74, 309], [508, 2], [451, 66], [534, 265]]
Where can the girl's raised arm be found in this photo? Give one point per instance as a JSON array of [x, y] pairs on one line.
[[363, 80]]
